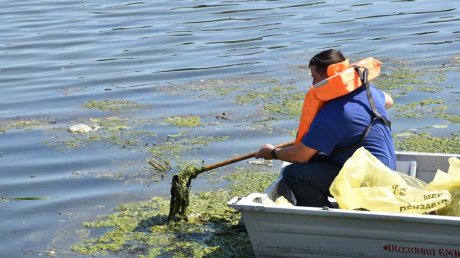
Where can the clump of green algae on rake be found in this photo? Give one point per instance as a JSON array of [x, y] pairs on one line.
[[180, 190]]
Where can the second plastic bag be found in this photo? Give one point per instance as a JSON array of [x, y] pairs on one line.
[[365, 182], [449, 181]]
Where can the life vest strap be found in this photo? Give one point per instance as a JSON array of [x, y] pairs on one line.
[[363, 74], [376, 115]]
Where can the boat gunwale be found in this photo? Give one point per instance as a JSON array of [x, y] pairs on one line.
[[243, 204]]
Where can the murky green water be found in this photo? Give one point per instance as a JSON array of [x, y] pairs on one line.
[[183, 82]]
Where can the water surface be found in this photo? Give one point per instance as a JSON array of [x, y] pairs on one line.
[[58, 55]]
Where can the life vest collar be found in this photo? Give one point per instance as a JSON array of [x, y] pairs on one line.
[[334, 69]]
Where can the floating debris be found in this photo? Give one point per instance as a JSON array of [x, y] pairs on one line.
[[223, 116], [440, 126], [165, 166], [268, 163], [82, 128], [404, 134], [27, 198]]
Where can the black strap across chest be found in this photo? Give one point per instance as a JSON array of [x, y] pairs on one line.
[[375, 115]]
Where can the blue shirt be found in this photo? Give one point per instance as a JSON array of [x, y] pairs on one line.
[[342, 121]]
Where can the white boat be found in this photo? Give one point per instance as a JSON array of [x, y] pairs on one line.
[[294, 231]]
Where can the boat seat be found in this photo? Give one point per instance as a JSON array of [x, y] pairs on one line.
[[408, 167]]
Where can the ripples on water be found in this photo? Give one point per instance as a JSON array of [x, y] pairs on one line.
[[56, 55]]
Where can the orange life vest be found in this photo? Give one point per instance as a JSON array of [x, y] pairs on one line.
[[343, 78]]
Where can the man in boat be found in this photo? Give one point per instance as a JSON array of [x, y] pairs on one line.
[[342, 111]]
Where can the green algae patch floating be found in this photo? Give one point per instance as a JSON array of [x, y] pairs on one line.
[[279, 100], [169, 150], [453, 118], [421, 108], [291, 107], [212, 229], [111, 123], [282, 101], [435, 108], [174, 147], [251, 97], [113, 105], [216, 88], [424, 142], [431, 89], [399, 78], [25, 124], [184, 121]]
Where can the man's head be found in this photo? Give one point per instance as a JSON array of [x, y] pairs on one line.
[[319, 63]]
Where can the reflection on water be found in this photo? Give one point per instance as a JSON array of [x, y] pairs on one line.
[[57, 55]]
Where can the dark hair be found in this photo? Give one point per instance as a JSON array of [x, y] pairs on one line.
[[324, 59]]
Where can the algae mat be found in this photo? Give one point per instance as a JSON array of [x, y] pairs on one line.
[[212, 230]]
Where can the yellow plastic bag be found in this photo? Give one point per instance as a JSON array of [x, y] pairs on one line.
[[365, 182], [449, 181]]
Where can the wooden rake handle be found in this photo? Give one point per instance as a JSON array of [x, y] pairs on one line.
[[240, 158]]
